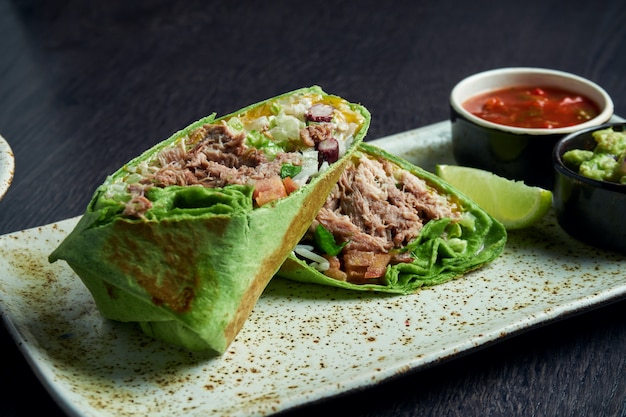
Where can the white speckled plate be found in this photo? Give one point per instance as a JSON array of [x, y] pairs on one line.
[[7, 166], [302, 342]]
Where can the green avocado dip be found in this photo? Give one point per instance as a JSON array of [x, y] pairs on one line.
[[605, 162]]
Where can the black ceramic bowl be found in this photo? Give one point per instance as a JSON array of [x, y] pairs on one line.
[[589, 210], [514, 152]]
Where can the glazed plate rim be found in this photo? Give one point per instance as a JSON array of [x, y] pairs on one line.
[[7, 166]]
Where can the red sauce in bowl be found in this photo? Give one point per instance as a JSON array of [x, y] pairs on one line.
[[532, 107]]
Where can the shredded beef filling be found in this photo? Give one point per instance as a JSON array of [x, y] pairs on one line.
[[219, 158], [375, 212]]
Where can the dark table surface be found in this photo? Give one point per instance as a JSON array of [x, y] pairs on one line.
[[85, 86]]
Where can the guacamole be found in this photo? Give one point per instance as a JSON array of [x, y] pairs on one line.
[[605, 162]]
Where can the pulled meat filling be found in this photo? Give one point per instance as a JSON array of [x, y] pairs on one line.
[[221, 157], [377, 209]]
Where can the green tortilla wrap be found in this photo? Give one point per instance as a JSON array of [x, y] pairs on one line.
[[390, 226], [184, 238]]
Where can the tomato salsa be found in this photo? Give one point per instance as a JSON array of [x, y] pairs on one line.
[[532, 107]]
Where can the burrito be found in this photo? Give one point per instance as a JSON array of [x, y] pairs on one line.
[[184, 238], [390, 226]]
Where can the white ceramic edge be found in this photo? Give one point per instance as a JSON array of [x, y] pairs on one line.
[[505, 77], [7, 166]]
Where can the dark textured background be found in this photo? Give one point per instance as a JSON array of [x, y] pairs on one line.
[[87, 85]]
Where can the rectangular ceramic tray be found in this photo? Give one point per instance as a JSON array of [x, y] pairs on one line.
[[302, 342]]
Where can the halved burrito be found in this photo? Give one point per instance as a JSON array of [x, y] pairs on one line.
[[184, 238], [393, 227]]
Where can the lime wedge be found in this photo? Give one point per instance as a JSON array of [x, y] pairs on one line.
[[515, 204]]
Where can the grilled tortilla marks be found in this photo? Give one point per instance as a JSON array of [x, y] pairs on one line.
[[172, 282]]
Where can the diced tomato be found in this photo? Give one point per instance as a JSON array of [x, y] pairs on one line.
[[290, 185], [493, 104], [538, 92], [334, 271], [378, 266], [268, 189], [364, 266]]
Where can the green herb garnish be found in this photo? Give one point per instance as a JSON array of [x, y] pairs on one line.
[[325, 241], [288, 170]]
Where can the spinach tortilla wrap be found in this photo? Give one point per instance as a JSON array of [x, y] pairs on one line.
[[390, 226], [184, 238]]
